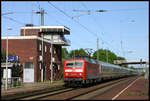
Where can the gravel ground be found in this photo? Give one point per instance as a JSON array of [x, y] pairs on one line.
[[137, 91]]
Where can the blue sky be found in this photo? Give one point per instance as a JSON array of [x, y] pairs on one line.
[[124, 21]]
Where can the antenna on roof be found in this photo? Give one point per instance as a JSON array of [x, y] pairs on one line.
[[42, 12]]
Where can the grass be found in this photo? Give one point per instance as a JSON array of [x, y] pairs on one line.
[[142, 94], [128, 94], [49, 81]]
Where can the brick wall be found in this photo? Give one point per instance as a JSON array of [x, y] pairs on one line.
[[25, 49], [29, 32], [28, 51]]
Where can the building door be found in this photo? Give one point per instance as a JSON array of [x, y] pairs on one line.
[[28, 74]]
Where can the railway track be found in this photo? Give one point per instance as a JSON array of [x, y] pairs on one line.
[[39, 93], [45, 94], [76, 93], [99, 91]]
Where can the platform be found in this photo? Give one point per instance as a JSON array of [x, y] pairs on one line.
[[28, 88]]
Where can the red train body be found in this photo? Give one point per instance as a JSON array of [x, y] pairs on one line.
[[79, 70], [89, 71], [70, 70]]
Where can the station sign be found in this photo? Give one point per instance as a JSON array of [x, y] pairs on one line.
[[12, 58]]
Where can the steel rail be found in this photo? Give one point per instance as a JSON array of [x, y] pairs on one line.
[[46, 94], [103, 88], [35, 93], [80, 92], [97, 92]]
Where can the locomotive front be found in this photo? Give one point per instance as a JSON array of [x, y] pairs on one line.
[[74, 70]]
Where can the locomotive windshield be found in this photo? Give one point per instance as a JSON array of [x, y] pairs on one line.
[[74, 63]]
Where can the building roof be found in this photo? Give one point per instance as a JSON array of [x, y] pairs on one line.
[[60, 29], [25, 37], [35, 37]]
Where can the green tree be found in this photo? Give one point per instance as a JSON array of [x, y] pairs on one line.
[[103, 54], [80, 52], [64, 53], [15, 69], [120, 58], [131, 67], [3, 55], [64, 56]]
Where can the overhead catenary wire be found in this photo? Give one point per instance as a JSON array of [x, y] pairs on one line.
[[132, 9], [55, 20], [94, 19], [14, 20], [72, 19], [78, 22], [75, 21], [7, 13], [96, 23]]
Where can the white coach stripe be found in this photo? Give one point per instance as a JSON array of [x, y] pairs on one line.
[[76, 70], [124, 90], [68, 70]]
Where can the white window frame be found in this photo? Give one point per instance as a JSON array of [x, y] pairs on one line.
[[50, 66], [40, 65], [40, 47], [50, 49], [45, 48], [54, 51]]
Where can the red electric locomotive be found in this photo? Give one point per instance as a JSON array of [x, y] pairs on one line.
[[80, 71]]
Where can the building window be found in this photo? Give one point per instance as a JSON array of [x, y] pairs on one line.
[[45, 48], [55, 37], [50, 66], [58, 67], [54, 51], [40, 47], [40, 65], [50, 49]]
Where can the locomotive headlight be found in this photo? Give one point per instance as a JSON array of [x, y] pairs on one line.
[[80, 73]]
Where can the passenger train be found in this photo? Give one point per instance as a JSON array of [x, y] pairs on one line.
[[84, 70]]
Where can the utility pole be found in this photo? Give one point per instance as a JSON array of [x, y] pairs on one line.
[[141, 63], [51, 63], [42, 24], [107, 55], [42, 12], [97, 42], [6, 80]]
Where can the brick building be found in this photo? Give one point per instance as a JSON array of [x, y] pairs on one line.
[[34, 46]]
